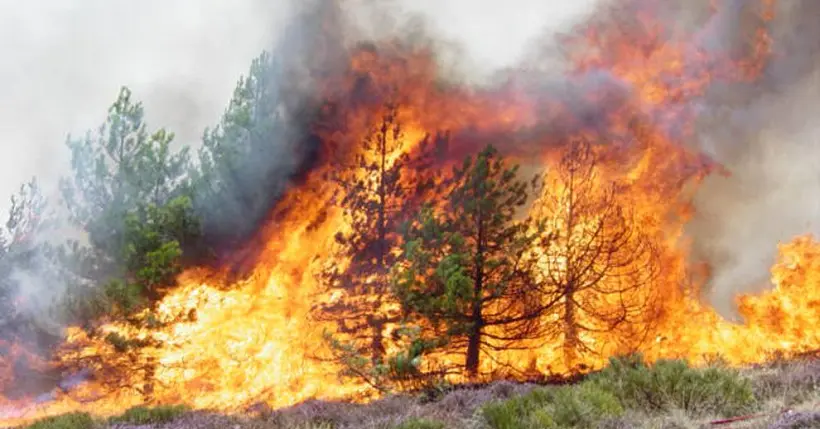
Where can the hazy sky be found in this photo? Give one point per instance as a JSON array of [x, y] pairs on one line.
[[63, 61]]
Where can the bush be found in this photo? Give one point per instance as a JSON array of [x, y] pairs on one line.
[[673, 384], [583, 405], [65, 421], [148, 415], [420, 424]]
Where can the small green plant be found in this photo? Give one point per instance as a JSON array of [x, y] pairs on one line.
[[583, 405], [673, 384], [149, 415], [416, 423], [512, 413], [65, 421]]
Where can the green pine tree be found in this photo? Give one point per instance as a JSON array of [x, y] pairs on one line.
[[129, 192], [462, 270]]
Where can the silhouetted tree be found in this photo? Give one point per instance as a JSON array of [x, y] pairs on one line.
[[463, 270], [593, 256], [370, 195]]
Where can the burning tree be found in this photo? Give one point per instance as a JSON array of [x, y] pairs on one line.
[[462, 270], [593, 257], [370, 195]]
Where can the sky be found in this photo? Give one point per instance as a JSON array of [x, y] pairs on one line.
[[62, 62]]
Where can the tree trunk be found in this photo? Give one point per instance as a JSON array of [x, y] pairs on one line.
[[474, 341], [377, 339], [571, 340], [377, 319], [477, 319]]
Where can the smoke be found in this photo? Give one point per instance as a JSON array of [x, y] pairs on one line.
[[62, 64], [768, 140], [313, 49]]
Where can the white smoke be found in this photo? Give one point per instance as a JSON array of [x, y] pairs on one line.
[[766, 136], [62, 63]]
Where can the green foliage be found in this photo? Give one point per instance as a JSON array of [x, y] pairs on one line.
[[583, 405], [123, 344], [127, 296], [578, 406], [119, 169], [673, 384], [153, 252], [401, 370], [245, 161], [416, 423], [466, 256], [129, 191], [65, 421], [150, 415]]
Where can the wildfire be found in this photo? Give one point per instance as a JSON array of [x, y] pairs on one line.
[[213, 344]]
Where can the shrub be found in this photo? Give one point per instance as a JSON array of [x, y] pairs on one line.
[[65, 421], [673, 384], [148, 415], [583, 405], [420, 424]]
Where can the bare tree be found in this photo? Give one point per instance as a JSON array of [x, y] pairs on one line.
[[593, 257]]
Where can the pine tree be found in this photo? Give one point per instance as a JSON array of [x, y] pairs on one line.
[[371, 194], [126, 181], [462, 271], [244, 162]]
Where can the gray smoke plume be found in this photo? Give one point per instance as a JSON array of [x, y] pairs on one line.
[[768, 139]]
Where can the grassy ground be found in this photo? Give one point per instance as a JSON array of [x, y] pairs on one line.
[[627, 394]]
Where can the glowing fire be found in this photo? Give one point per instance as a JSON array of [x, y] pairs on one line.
[[225, 346]]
